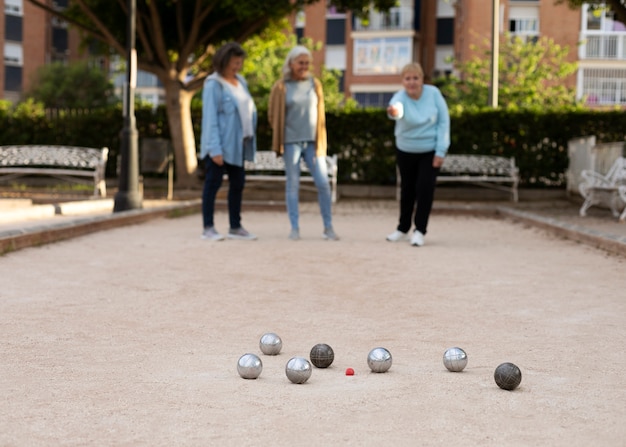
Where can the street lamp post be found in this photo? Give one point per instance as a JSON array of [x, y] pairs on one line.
[[128, 196], [495, 52]]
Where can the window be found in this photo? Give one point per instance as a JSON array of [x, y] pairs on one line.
[[524, 22], [601, 19], [59, 40], [604, 86], [376, 99], [335, 31], [381, 55], [13, 28], [12, 79], [445, 31]]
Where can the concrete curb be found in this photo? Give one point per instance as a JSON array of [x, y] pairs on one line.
[[604, 241], [39, 235]]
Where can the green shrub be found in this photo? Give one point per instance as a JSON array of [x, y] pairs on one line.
[[363, 139]]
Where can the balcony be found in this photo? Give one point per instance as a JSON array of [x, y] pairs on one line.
[[603, 46], [396, 19]]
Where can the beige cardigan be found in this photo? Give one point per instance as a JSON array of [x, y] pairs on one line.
[[276, 116]]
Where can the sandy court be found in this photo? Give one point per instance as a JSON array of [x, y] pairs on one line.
[[130, 337]]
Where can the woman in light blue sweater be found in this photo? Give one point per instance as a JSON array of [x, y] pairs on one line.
[[422, 134]]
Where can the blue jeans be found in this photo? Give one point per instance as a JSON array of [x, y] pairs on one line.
[[212, 183], [317, 165]]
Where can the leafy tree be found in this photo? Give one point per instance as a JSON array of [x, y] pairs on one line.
[[530, 76], [175, 41], [76, 85], [617, 6], [266, 56]]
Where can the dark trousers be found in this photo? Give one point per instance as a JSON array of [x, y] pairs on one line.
[[213, 182], [417, 189]]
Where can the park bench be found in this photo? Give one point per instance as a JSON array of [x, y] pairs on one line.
[[269, 168], [597, 188], [68, 163], [489, 171]]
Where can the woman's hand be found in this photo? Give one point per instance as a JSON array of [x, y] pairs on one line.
[[437, 161], [392, 111], [218, 160]]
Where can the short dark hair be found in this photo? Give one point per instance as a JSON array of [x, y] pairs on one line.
[[224, 54]]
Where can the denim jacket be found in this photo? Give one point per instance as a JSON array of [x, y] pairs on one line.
[[222, 131]]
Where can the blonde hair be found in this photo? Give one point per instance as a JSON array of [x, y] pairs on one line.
[[295, 52], [412, 67]]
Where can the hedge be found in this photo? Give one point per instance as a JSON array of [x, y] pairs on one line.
[[363, 139]]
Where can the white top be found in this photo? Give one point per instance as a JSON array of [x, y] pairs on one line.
[[244, 105]]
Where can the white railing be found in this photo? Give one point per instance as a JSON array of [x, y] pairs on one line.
[[608, 46], [603, 86], [400, 18]]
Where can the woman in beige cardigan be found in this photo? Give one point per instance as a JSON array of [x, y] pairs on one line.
[[297, 117]]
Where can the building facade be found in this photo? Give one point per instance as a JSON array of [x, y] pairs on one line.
[[30, 38], [369, 54], [436, 32]]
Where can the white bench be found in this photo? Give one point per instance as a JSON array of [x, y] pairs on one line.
[[489, 171], [597, 188], [270, 168], [69, 163]]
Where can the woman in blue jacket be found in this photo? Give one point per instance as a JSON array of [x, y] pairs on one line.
[[229, 121], [422, 134]]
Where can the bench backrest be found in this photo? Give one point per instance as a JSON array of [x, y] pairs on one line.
[[479, 165], [617, 172], [268, 161], [51, 155]]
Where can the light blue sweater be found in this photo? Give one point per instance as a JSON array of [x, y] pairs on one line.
[[423, 124]]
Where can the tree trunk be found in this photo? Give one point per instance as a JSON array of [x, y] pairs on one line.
[[178, 103]]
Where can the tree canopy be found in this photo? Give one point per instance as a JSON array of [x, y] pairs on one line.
[[531, 75], [77, 85], [266, 54], [175, 41]]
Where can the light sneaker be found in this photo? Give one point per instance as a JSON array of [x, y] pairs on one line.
[[211, 234], [397, 236], [330, 235], [294, 235], [241, 233], [417, 239]]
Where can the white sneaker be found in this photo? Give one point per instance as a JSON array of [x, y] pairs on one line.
[[211, 234], [397, 236], [241, 233], [417, 239]]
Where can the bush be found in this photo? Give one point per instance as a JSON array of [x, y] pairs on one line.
[[363, 139]]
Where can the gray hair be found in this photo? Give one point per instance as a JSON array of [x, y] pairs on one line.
[[295, 52]]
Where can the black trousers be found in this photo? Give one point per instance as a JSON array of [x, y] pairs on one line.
[[417, 189]]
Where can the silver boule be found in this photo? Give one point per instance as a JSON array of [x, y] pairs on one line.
[[379, 360], [270, 344], [455, 359], [249, 366], [298, 369]]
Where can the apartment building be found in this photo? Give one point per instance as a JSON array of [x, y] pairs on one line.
[[30, 38], [434, 32], [369, 53]]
